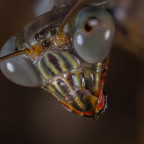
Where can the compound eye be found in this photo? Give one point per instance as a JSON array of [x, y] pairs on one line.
[[19, 69], [93, 34]]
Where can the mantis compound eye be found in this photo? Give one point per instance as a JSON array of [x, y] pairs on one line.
[[19, 69], [93, 35]]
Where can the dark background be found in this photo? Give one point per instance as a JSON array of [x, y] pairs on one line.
[[33, 116]]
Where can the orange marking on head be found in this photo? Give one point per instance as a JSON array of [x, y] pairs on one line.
[[35, 51], [61, 40]]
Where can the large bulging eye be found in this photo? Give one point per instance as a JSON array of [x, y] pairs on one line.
[[93, 34], [19, 69]]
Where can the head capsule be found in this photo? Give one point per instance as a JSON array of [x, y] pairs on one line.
[[71, 60]]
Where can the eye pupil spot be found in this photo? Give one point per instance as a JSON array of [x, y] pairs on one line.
[[87, 27], [90, 24]]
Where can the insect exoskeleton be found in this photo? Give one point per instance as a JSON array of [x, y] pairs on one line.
[[67, 55]]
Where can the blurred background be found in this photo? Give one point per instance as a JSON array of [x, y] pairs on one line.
[[33, 116]]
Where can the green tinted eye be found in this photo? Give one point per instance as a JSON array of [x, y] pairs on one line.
[[93, 35]]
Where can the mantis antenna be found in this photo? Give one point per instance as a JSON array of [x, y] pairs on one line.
[[69, 15], [25, 51]]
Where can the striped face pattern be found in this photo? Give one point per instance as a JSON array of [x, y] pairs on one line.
[[79, 89]]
